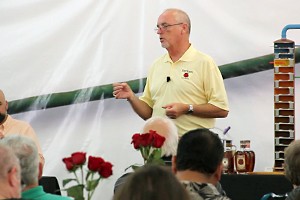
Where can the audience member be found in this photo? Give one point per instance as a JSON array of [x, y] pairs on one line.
[[26, 150], [292, 168], [8, 126], [164, 127], [152, 182], [10, 174], [198, 164]]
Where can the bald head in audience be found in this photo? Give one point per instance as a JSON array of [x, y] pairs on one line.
[[164, 127]]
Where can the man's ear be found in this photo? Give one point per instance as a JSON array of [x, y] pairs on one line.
[[219, 171], [6, 105], [13, 177], [40, 170], [174, 170]]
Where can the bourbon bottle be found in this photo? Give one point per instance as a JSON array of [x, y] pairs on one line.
[[244, 158], [250, 162], [228, 160], [240, 158]]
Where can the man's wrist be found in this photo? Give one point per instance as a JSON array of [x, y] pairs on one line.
[[130, 98], [190, 109]]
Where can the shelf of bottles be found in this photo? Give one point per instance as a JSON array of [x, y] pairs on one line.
[[284, 98]]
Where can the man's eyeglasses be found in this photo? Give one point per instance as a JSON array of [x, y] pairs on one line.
[[164, 27]]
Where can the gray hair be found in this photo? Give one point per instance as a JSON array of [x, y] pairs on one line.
[[8, 160], [164, 127], [181, 16], [292, 162], [25, 149]]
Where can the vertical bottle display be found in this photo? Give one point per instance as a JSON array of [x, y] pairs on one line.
[[244, 158], [284, 98]]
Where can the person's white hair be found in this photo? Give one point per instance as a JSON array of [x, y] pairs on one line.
[[7, 160], [26, 150], [164, 127]]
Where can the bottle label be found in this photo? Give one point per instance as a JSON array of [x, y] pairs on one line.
[[240, 162], [225, 164]]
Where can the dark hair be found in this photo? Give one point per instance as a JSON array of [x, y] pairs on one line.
[[152, 182], [199, 150]]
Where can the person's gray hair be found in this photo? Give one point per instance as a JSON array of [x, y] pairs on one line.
[[292, 162], [164, 127], [8, 160], [25, 149], [181, 17]]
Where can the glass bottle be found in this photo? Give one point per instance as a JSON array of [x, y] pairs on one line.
[[250, 162], [240, 158], [228, 160]]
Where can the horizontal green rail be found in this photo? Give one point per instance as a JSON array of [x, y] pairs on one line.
[[41, 102]]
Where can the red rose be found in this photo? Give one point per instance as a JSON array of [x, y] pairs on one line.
[[105, 170], [69, 163], [136, 140], [186, 75], [94, 163], [146, 139], [78, 158], [158, 140]]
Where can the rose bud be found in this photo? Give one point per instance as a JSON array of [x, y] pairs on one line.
[[105, 170], [94, 163], [78, 158], [69, 163]]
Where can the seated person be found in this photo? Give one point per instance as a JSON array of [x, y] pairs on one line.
[[198, 164], [10, 174], [9, 125], [292, 168], [166, 128], [152, 182], [26, 150]]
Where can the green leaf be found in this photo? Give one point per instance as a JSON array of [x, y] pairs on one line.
[[92, 184], [88, 175], [134, 167], [66, 181], [76, 192], [156, 154]]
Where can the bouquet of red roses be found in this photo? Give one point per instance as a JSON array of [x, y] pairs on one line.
[[97, 169], [149, 144]]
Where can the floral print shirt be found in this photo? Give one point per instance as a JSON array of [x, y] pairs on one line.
[[203, 191]]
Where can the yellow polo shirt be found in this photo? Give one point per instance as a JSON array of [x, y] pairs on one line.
[[193, 79]]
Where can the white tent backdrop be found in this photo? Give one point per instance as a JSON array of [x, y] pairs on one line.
[[52, 46]]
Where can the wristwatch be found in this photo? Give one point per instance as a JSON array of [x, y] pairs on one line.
[[191, 109]]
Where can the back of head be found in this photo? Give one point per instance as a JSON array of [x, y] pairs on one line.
[[199, 150], [7, 160], [164, 127], [292, 162], [10, 177], [26, 150], [152, 182]]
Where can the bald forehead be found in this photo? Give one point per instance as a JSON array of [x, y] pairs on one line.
[[2, 97]]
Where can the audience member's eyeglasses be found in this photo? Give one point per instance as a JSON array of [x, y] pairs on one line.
[[164, 27]]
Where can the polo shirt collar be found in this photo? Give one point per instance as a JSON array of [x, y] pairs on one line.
[[187, 56]]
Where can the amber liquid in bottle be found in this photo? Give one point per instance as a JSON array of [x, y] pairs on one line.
[[245, 158], [251, 157], [240, 159]]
